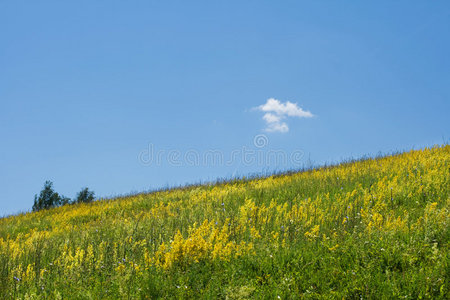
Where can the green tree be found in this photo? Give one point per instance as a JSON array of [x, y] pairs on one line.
[[48, 198], [85, 196]]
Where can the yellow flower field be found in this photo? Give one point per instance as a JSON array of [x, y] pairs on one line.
[[374, 228]]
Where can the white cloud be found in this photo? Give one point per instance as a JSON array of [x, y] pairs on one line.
[[275, 112], [274, 123], [277, 127], [271, 118]]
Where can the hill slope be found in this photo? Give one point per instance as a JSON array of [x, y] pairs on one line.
[[373, 228]]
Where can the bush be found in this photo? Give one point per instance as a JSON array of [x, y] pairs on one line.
[[85, 196], [48, 198]]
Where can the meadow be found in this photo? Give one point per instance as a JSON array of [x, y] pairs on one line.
[[375, 228]]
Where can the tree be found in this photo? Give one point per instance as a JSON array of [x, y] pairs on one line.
[[65, 200], [48, 198], [85, 196]]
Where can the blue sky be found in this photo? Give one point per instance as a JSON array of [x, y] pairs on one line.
[[89, 90]]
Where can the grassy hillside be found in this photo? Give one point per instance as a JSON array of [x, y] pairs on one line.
[[376, 228]]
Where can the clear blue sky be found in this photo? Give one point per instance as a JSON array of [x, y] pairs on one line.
[[87, 86]]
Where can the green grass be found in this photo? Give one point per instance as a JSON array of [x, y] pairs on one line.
[[370, 229]]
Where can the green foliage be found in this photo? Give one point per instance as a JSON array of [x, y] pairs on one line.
[[370, 229], [85, 196], [48, 198]]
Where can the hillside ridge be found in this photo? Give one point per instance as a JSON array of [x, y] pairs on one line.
[[375, 227]]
